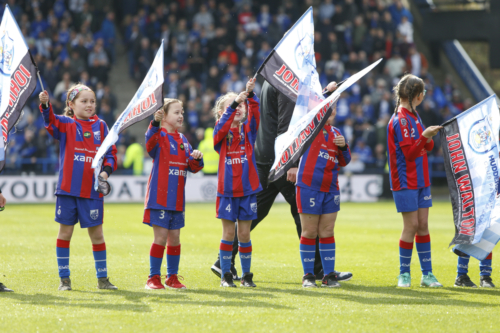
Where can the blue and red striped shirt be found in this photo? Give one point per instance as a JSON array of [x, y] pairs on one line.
[[171, 153], [79, 141], [407, 150], [319, 166], [237, 174]]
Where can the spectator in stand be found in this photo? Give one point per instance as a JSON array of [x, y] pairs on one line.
[[264, 18], [355, 166], [203, 18], [364, 151], [398, 11], [405, 28], [396, 65]]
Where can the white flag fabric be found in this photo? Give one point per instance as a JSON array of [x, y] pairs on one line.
[[17, 77], [292, 59], [147, 100], [291, 145], [470, 150], [489, 239]]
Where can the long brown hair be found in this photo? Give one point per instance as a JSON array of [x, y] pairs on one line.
[[408, 87], [68, 112]]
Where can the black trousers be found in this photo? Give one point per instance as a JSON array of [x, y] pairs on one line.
[[265, 200]]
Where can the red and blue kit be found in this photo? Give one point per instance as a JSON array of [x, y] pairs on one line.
[[237, 174], [165, 196], [408, 165], [79, 141], [317, 178]]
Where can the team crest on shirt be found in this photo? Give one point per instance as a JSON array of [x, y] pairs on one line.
[[86, 135], [97, 136], [336, 199], [94, 214], [480, 137], [403, 122], [253, 206]]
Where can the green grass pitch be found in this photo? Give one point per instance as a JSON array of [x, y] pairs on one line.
[[367, 245]]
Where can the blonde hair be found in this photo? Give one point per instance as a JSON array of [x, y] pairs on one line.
[[169, 101], [68, 111], [219, 104], [408, 87]]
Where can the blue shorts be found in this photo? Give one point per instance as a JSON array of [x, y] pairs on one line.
[[412, 200], [168, 219], [70, 210], [316, 202], [232, 209]]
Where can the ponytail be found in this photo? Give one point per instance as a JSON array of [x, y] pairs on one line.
[[407, 88]]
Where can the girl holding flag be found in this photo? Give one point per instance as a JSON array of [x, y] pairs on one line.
[[172, 157], [408, 143], [238, 181], [80, 133], [318, 201]]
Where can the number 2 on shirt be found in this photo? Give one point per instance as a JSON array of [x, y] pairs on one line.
[[405, 130]]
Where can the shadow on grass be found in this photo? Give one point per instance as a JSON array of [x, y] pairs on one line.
[[138, 300], [392, 295]]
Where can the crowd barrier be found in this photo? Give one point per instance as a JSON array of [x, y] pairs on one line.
[[132, 189]]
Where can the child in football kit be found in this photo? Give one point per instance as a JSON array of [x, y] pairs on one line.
[[318, 201], [165, 197], [80, 133], [238, 181], [463, 279], [408, 142]]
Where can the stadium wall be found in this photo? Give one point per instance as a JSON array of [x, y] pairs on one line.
[[129, 189]]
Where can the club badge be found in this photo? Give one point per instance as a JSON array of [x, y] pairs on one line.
[[87, 135]]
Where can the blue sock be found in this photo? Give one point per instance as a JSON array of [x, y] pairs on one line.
[[485, 266], [226, 254], [463, 265], [307, 254], [245, 250], [405, 250], [327, 253], [424, 253], [155, 259], [62, 253], [173, 258], [100, 260]]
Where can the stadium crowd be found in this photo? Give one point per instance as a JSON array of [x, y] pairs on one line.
[[212, 47]]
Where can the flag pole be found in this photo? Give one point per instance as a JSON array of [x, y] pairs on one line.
[[37, 70]]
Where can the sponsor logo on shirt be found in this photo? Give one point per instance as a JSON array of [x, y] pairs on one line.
[[182, 146], [83, 158], [59, 211], [328, 157], [87, 135], [172, 145], [177, 172], [236, 160]]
